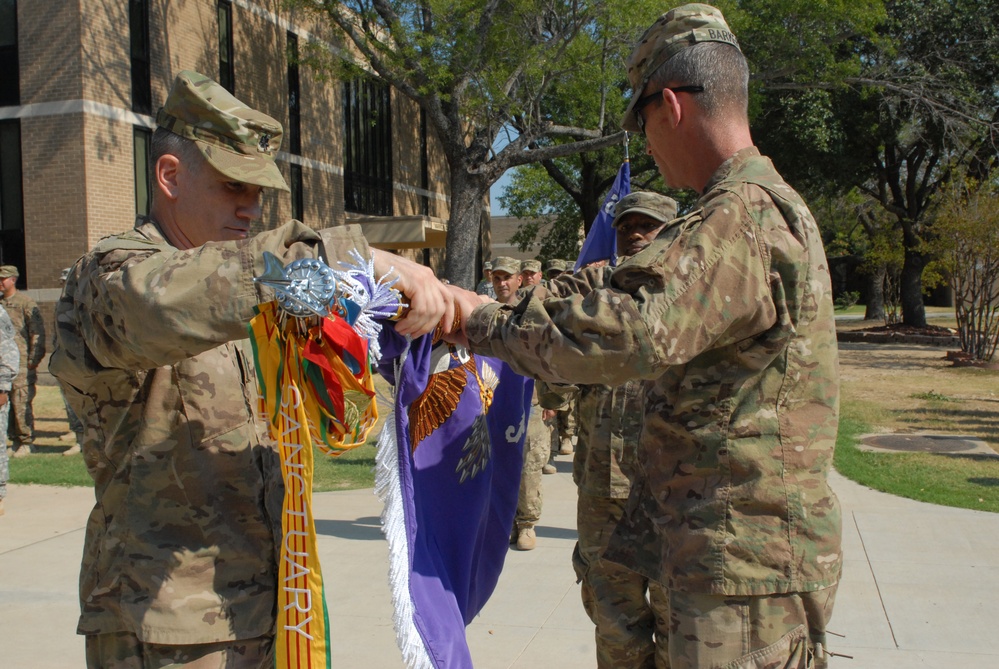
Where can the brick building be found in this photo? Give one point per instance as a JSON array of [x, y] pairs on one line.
[[80, 83]]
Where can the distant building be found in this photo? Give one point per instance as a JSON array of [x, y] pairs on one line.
[[503, 228], [80, 83]]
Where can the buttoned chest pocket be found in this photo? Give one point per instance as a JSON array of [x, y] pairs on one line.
[[213, 392]]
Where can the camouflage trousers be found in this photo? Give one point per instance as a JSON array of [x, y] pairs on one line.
[[21, 428], [123, 650], [4, 452], [536, 447], [75, 424], [765, 632], [566, 425], [629, 611]]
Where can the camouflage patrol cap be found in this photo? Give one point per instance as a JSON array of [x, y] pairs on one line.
[[7, 271], [506, 264], [237, 141], [675, 30], [555, 265], [530, 266], [487, 265], [653, 205]]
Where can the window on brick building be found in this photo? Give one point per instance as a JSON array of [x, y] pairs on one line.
[[141, 140], [424, 165], [367, 173], [294, 98], [11, 198], [139, 51], [227, 68], [10, 79], [297, 193]]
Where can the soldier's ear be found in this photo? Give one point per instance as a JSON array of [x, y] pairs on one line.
[[165, 176]]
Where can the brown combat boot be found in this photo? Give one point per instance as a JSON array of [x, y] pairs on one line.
[[526, 539]]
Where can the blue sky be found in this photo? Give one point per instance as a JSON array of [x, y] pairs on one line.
[[503, 137], [496, 191]]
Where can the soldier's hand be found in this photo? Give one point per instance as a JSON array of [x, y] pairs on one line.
[[3, 397], [428, 298], [465, 302]]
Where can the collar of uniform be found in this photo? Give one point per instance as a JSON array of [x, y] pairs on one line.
[[150, 229], [729, 166]]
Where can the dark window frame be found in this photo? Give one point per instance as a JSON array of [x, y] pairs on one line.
[[424, 164], [12, 250], [142, 137], [294, 97], [140, 56], [10, 77], [367, 172], [297, 193], [227, 65]]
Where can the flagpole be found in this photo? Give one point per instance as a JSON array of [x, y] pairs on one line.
[[627, 159]]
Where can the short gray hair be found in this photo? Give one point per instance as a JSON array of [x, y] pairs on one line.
[[165, 142], [720, 68]]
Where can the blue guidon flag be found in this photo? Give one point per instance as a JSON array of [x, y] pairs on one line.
[[601, 240], [449, 462]]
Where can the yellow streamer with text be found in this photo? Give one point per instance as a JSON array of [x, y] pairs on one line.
[[293, 411]]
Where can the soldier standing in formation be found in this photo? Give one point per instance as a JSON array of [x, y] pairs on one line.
[[565, 420], [179, 565], [485, 286], [10, 363], [507, 279], [30, 329], [530, 272], [630, 611], [729, 321]]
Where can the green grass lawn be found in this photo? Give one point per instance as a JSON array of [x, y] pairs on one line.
[[964, 481], [354, 469], [954, 480]]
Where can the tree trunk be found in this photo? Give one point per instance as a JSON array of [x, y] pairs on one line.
[[911, 289], [467, 203], [875, 295]]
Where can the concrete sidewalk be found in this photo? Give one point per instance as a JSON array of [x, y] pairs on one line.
[[919, 585]]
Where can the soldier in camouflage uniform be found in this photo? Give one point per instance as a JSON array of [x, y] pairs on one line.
[[179, 563], [530, 272], [507, 277], [625, 606], [554, 268], [30, 328], [565, 428], [485, 286], [10, 362], [729, 320]]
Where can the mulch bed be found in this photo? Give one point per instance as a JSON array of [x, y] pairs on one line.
[[928, 335]]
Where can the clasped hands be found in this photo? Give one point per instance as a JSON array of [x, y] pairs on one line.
[[431, 301]]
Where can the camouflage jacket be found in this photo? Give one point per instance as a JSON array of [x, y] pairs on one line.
[[486, 288], [180, 546], [30, 328], [610, 417], [10, 357], [732, 324]]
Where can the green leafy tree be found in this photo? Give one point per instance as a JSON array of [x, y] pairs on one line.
[[477, 68], [788, 44], [919, 103], [559, 199], [967, 250], [595, 97]]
